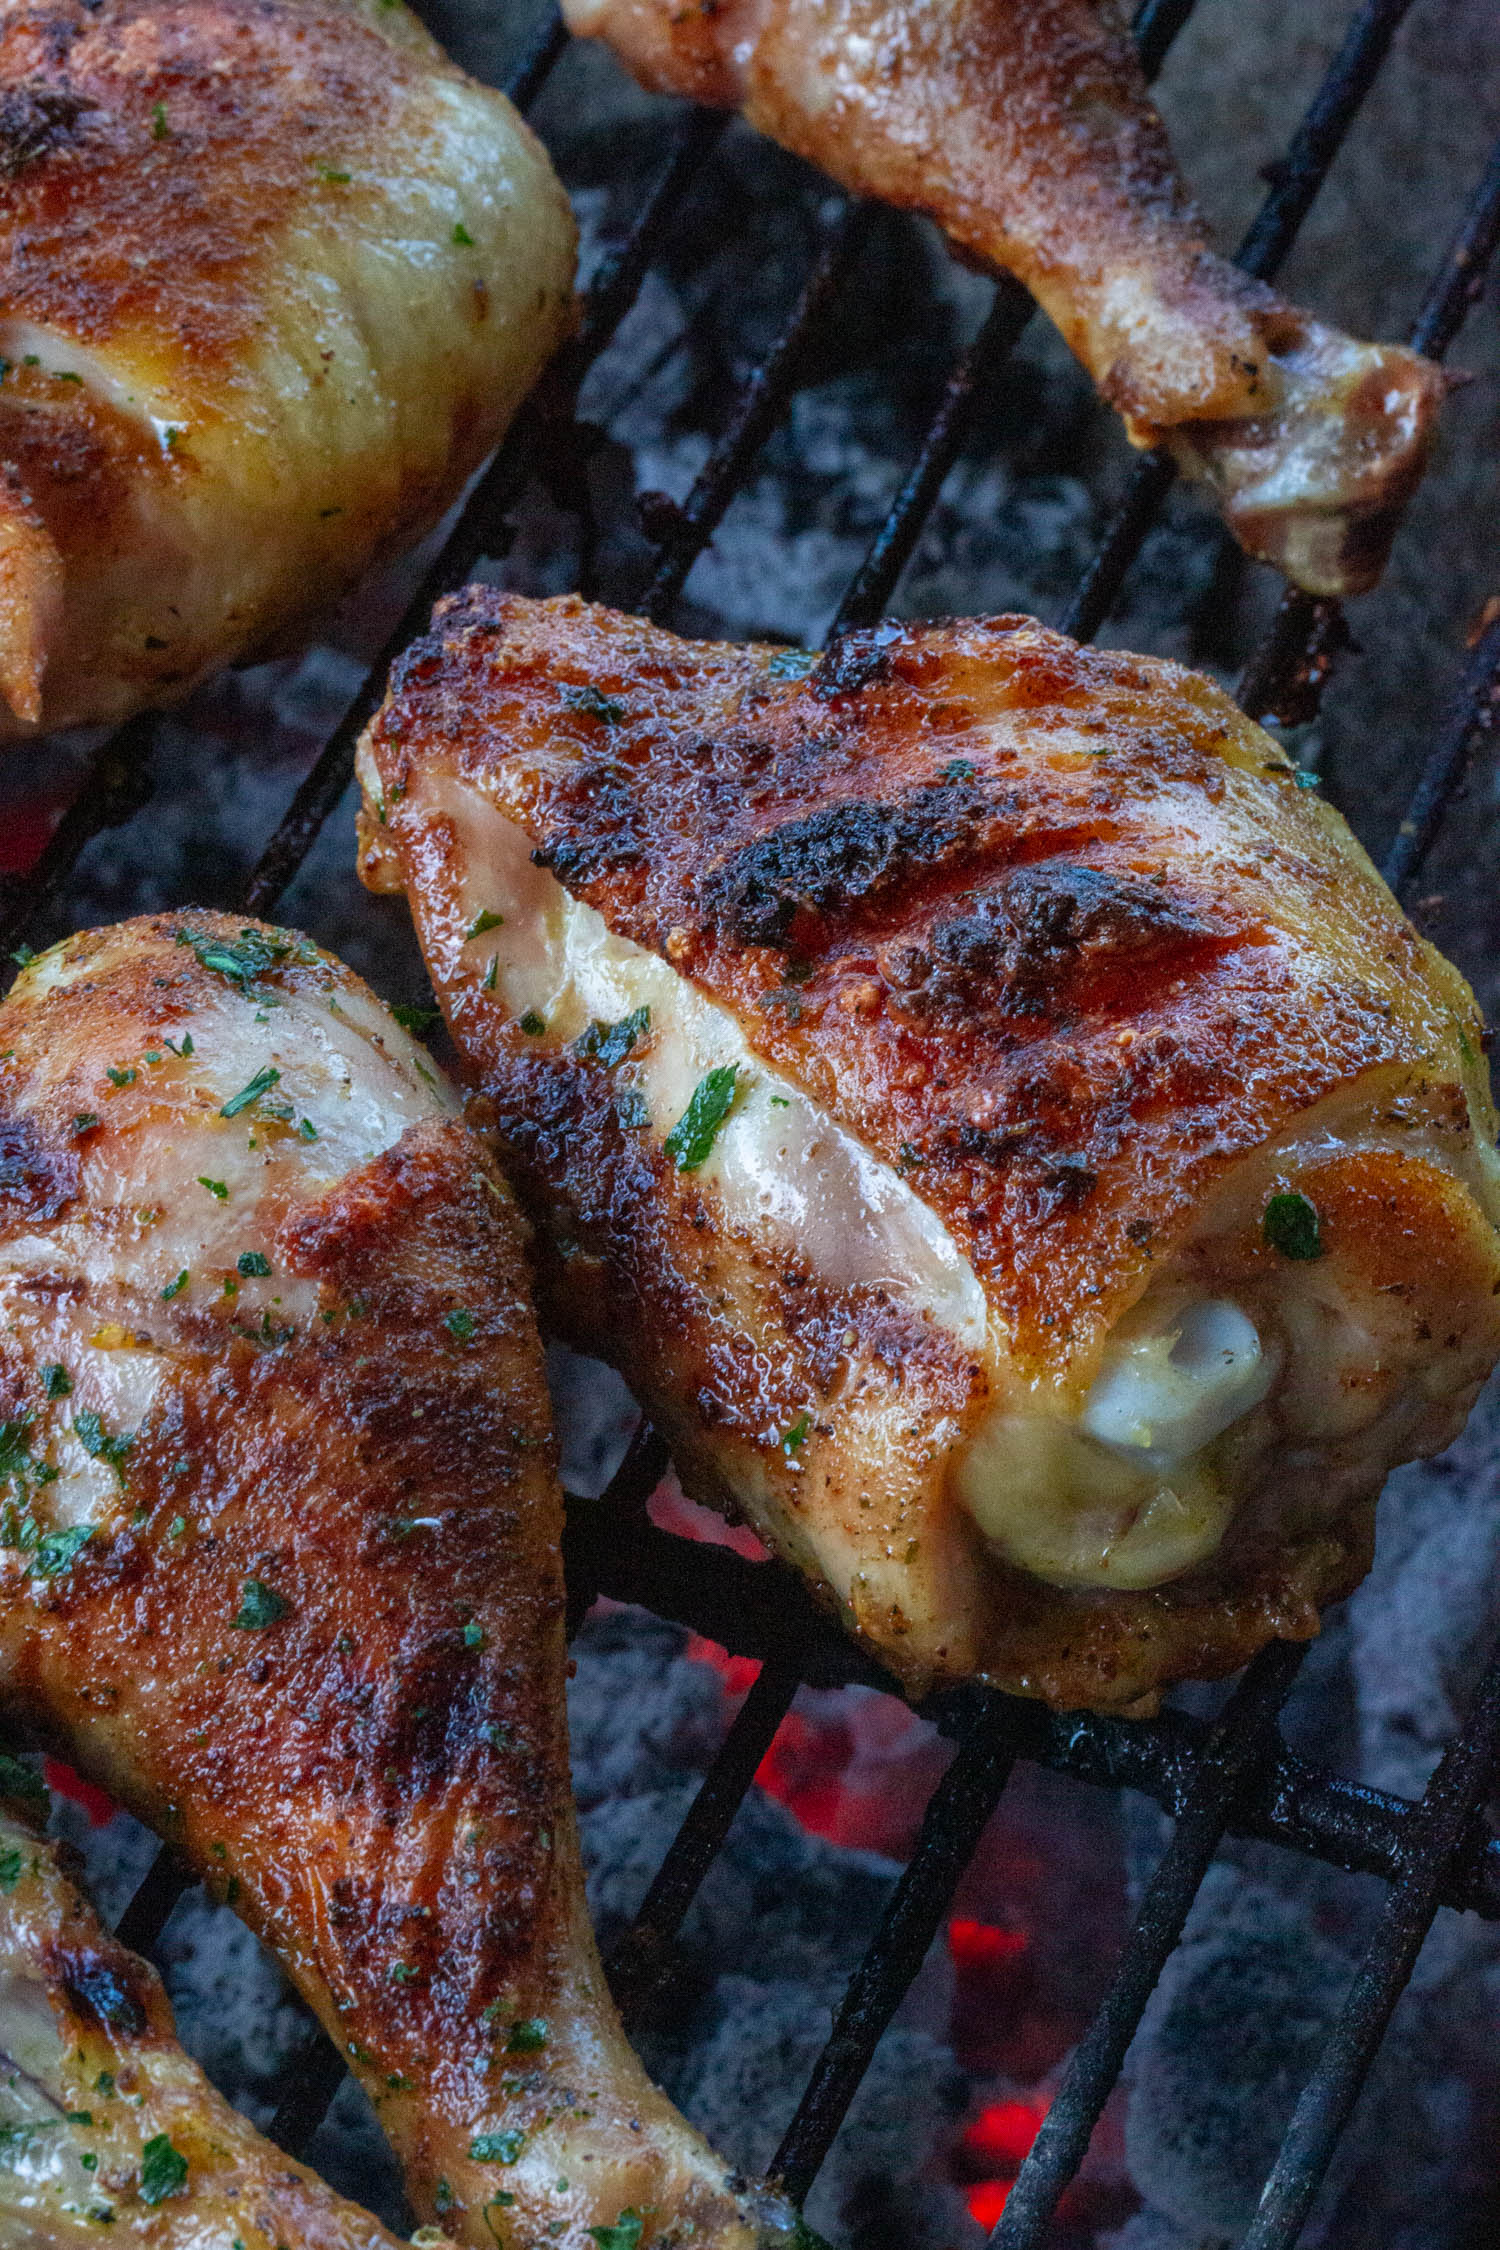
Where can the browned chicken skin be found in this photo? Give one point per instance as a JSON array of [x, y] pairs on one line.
[[1023, 127], [105, 2121], [280, 1549], [999, 1122]]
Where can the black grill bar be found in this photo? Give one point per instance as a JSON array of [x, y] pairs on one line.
[[1243, 1739], [956, 1815], [1285, 676], [116, 785], [609, 299], [1272, 232], [640, 1966], [533, 67], [681, 533], [1473, 719], [311, 2079], [150, 1909], [1452, 1798]]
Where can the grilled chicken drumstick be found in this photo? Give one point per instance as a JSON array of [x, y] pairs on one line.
[[274, 276], [281, 1559], [1000, 1124], [104, 2121], [1023, 127]]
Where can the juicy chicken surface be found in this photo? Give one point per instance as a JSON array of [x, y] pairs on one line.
[[1024, 128], [281, 1548], [1000, 1124], [104, 2121], [274, 276]]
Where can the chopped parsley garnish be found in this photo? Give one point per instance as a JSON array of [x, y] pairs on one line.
[[253, 1264], [1304, 779], [594, 703], [260, 1606], [91, 1435], [792, 663], [56, 1381], [610, 1043], [159, 126], [85, 1121], [22, 1785], [260, 1084], [164, 2170], [23, 956], [485, 919], [532, 1024], [120, 1077], [57, 1551], [307, 1130], [473, 1634], [625, 2234], [12, 1864], [460, 1323], [418, 1021], [958, 769], [491, 974], [696, 1130], [497, 2148], [1290, 1225], [175, 1288], [403, 1973], [528, 2037], [632, 1110], [796, 1437], [243, 959], [335, 177], [461, 236], [216, 1188], [186, 1046]]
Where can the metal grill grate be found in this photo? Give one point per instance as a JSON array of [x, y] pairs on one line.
[[1234, 1776]]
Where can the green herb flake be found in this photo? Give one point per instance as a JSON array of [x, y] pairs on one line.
[[80, 2117], [85, 1121], [593, 703], [1305, 780], [254, 1265], [473, 1635], [260, 1606], [105, 2083], [92, 1436], [164, 2170], [23, 1786], [796, 1437], [260, 1084], [625, 2234], [242, 960], [792, 663], [402, 1972], [307, 1130], [175, 1288], [497, 2148], [632, 1110], [1290, 1225], [160, 130], [485, 919], [532, 1024], [12, 1867], [418, 1021], [56, 1381], [491, 974], [462, 238], [120, 1077], [460, 1323], [693, 1136], [216, 1188], [57, 1551], [528, 2037], [333, 175], [610, 1043], [958, 769]]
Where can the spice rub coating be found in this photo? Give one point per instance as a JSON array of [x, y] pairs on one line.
[[1024, 128], [274, 275], [1029, 977], [281, 1544]]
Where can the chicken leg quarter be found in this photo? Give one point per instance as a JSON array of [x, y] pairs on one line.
[[280, 1549], [1023, 127], [999, 1123]]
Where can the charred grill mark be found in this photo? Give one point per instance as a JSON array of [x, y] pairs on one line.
[[105, 1991], [843, 856], [36, 1182], [35, 120]]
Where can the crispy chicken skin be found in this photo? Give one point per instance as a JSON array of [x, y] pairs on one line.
[[281, 1548], [106, 2121], [999, 1122], [274, 276], [1023, 127]]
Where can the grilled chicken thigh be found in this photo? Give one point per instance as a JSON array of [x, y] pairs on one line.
[[1023, 127], [280, 1547], [274, 276], [999, 1123], [104, 2121]]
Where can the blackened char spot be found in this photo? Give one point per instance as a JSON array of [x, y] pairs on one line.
[[34, 120], [102, 1991], [839, 857], [36, 1181], [852, 662], [600, 831]]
